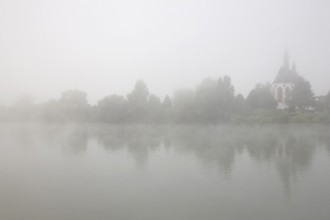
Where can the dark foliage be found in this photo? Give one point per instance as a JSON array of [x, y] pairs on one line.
[[213, 101]]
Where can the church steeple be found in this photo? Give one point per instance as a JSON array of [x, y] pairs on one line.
[[286, 60], [287, 72]]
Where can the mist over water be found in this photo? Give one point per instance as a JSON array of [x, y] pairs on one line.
[[164, 110], [164, 172]]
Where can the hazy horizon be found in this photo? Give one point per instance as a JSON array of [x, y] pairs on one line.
[[104, 47], [87, 131]]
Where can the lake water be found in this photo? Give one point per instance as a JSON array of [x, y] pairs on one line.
[[56, 172]]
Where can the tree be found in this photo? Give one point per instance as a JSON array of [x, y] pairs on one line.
[[137, 102], [261, 98], [207, 101], [74, 106], [214, 100], [183, 106], [226, 94], [240, 105], [167, 109], [322, 103], [154, 109], [111, 109], [140, 93], [302, 95]]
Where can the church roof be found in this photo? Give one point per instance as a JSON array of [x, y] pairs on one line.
[[285, 75]]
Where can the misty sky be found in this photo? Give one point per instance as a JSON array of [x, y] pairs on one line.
[[103, 47]]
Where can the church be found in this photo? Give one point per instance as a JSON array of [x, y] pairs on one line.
[[284, 82]]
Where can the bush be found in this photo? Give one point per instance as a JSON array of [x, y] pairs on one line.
[[282, 117]]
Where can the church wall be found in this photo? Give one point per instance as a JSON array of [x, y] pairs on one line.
[[281, 93]]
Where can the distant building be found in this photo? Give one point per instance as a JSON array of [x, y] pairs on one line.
[[284, 82]]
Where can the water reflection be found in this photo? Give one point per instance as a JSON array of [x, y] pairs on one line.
[[93, 170], [76, 141], [289, 149], [324, 140]]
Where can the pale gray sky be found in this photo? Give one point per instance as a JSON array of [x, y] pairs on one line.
[[103, 47]]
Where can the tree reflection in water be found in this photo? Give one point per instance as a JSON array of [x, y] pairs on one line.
[[289, 148]]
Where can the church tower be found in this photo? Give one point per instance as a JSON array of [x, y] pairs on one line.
[[284, 82], [286, 58]]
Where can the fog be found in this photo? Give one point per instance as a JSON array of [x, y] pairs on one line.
[[164, 172], [170, 109], [104, 47]]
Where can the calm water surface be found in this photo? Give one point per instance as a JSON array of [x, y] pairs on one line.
[[101, 172]]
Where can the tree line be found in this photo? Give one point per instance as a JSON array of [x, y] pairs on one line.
[[212, 101]]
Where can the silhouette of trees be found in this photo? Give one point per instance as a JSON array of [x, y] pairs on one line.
[[154, 107], [73, 106], [302, 95], [207, 101], [137, 102], [261, 98], [183, 106], [111, 109], [213, 101], [240, 106], [167, 109]]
